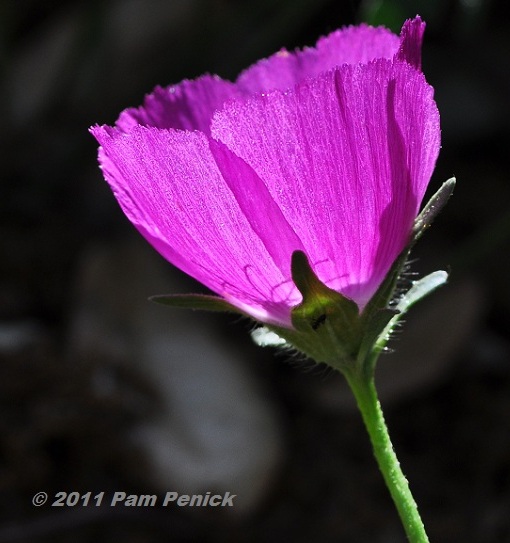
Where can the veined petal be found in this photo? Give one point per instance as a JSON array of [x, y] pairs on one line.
[[411, 42], [258, 206], [349, 45], [187, 106], [170, 187], [347, 157]]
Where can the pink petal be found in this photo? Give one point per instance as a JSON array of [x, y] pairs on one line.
[[347, 157], [350, 45], [170, 187], [411, 42], [262, 212], [188, 106]]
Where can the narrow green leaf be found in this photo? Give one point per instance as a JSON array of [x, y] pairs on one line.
[[432, 208], [385, 292], [419, 290], [195, 301]]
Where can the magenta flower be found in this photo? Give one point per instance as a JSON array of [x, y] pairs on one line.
[[328, 151]]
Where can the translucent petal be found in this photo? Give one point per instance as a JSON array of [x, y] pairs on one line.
[[170, 187], [411, 41], [350, 45], [347, 157], [188, 106]]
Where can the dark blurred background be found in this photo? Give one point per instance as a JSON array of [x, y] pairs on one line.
[[102, 391]]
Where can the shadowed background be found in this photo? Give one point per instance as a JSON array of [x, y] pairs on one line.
[[102, 391]]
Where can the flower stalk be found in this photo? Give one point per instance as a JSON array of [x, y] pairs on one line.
[[363, 387]]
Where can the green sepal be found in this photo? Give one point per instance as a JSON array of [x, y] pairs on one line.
[[374, 329], [204, 302], [377, 313], [326, 323], [320, 303], [386, 291]]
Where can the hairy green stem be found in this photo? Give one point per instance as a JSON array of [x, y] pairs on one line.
[[363, 387]]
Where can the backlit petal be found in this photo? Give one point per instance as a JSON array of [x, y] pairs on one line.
[[187, 106], [347, 157], [258, 206], [350, 45], [411, 42], [170, 187]]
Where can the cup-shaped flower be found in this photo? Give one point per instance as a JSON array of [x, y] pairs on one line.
[[324, 154]]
